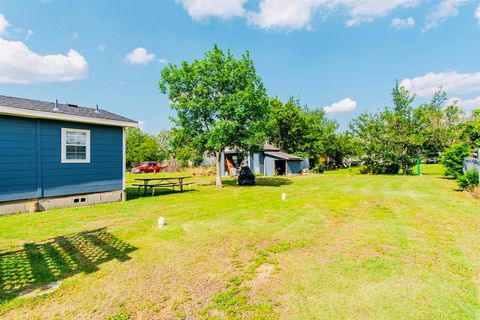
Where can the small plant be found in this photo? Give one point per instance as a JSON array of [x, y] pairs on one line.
[[469, 180], [120, 316]]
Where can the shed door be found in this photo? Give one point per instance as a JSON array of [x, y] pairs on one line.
[[280, 167]]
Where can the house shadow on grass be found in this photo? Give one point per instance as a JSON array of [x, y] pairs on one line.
[[35, 265]]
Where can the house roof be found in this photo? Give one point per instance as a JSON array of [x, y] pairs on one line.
[[66, 112]]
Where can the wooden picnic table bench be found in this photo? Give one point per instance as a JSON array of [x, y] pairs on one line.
[[161, 182]]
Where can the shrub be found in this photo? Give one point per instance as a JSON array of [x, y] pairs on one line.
[[453, 158], [469, 180], [391, 168]]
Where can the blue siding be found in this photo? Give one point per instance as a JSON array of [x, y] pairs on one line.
[[18, 158], [269, 166], [256, 166], [261, 161], [294, 167], [39, 150]]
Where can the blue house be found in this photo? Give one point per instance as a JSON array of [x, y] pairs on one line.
[[59, 155], [270, 161]]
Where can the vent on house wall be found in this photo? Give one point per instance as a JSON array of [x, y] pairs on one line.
[[72, 105]]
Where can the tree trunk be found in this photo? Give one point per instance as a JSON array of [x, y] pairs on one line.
[[218, 178], [404, 161]]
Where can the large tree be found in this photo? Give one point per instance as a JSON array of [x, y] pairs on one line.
[[220, 102], [439, 123], [297, 129], [403, 127], [392, 137]]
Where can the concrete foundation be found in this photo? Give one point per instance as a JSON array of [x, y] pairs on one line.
[[33, 205]]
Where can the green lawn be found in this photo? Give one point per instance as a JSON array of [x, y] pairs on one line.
[[342, 246]]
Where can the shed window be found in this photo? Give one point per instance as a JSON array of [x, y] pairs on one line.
[[75, 146]]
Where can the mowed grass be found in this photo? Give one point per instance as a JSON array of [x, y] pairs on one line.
[[342, 246]]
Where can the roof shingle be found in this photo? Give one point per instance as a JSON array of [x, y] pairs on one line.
[[44, 106]]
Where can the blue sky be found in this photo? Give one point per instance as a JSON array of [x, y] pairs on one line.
[[340, 54]]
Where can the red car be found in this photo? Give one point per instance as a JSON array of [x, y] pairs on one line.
[[149, 166]]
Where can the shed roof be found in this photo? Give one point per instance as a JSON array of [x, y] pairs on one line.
[[283, 155], [269, 147], [66, 112]]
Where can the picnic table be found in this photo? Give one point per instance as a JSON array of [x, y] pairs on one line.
[[161, 182]]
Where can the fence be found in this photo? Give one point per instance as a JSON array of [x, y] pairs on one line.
[[471, 164]]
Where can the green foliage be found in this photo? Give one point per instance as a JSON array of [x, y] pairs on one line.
[[220, 102], [381, 168], [380, 156], [392, 138], [453, 158], [141, 146], [300, 130], [438, 125], [470, 129], [287, 125], [402, 134], [342, 146], [469, 180]]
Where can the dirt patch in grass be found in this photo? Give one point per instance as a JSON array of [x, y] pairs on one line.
[[240, 298], [475, 192]]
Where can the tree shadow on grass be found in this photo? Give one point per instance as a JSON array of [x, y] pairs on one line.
[[36, 265], [260, 181]]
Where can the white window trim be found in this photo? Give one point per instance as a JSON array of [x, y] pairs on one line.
[[64, 146]]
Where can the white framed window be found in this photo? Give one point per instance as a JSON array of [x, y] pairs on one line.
[[75, 145]]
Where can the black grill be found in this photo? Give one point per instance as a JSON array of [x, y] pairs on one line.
[[246, 177]]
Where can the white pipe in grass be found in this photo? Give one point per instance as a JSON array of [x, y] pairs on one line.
[[284, 196], [161, 222]]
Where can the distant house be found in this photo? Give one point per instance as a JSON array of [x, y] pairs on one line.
[[268, 162], [58, 155]]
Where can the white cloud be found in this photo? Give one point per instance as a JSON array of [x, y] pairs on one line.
[[139, 56], [163, 61], [18, 64], [284, 14], [452, 82], [477, 13], [200, 9], [445, 10], [399, 23], [344, 106], [28, 33], [468, 104], [362, 11], [4, 24], [293, 15]]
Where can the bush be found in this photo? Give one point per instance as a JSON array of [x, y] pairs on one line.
[[453, 158], [469, 180], [391, 168]]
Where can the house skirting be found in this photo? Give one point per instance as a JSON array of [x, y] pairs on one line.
[[42, 204]]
